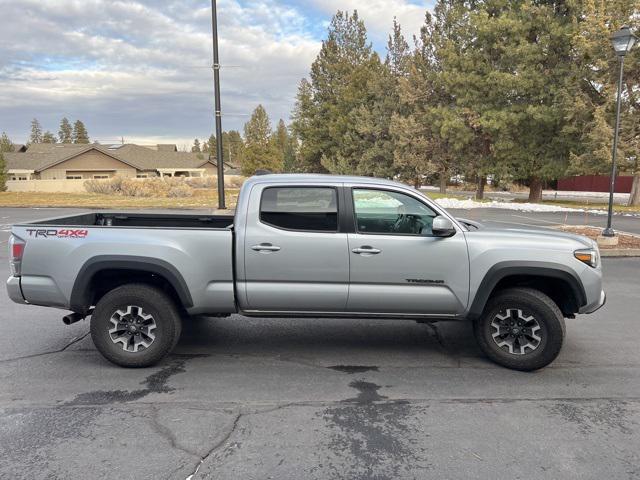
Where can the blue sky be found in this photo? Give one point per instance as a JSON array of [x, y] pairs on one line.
[[139, 69]]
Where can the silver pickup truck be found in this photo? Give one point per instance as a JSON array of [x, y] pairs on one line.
[[307, 246]]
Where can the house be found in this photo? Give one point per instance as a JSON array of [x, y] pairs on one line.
[[59, 161]]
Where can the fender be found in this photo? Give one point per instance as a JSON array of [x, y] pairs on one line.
[[540, 269], [81, 293]]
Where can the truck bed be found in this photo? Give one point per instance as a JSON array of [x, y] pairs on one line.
[[194, 253], [149, 220]]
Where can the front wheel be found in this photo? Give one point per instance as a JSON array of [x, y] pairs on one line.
[[521, 328], [135, 325]]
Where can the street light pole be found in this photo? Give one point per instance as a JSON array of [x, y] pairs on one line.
[[218, 114], [623, 41], [608, 232]]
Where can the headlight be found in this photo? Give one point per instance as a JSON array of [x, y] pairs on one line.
[[590, 256]]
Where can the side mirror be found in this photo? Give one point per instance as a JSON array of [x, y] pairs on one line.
[[442, 227]]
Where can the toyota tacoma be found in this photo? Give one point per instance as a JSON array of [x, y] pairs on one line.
[[307, 246]]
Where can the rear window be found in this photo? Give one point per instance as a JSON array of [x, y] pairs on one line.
[[300, 208]]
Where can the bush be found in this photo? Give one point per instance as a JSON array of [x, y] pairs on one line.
[[106, 187], [183, 190], [201, 182], [156, 186]]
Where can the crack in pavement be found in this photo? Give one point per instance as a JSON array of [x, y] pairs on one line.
[[165, 432], [440, 340], [217, 446], [259, 408], [71, 343]]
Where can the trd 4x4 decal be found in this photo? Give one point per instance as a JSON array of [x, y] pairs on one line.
[[58, 233]]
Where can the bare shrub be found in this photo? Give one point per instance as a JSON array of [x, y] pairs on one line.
[[108, 186], [134, 188], [201, 182], [180, 191], [98, 186], [147, 187], [234, 181]]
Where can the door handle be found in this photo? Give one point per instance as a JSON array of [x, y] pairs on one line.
[[265, 247], [366, 249]]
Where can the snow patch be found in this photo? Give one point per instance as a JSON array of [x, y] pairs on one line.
[[522, 207]]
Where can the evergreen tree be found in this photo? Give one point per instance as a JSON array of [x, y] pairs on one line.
[[309, 154], [398, 51], [36, 132], [65, 133], [286, 146], [233, 147], [3, 173], [6, 145], [196, 146], [513, 72], [593, 109], [79, 134], [326, 107], [212, 145], [261, 151], [49, 137]]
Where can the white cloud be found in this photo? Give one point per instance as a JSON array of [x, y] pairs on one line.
[[140, 69], [378, 14]]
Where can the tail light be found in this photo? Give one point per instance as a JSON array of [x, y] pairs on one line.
[[16, 250]]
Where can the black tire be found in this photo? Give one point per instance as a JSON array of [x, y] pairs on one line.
[[521, 303], [153, 302]]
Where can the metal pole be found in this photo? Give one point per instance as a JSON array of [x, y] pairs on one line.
[[216, 88], [608, 232]]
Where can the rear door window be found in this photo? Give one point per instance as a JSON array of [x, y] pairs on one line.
[[300, 208]]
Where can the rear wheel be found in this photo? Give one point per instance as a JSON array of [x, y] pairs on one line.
[[521, 328], [135, 325]]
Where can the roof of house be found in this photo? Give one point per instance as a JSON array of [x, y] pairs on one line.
[[42, 156]]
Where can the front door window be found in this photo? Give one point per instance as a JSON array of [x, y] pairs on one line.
[[390, 213]]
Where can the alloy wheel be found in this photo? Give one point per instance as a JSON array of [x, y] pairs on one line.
[[132, 328], [515, 332]]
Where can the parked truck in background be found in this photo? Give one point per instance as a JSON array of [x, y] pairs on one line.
[[307, 246]]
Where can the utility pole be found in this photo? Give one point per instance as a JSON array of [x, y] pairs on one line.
[[218, 114]]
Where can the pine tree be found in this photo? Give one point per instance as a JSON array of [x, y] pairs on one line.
[[326, 106], [196, 146], [398, 52], [592, 111], [3, 173], [49, 137], [372, 119], [261, 151], [212, 145], [304, 129], [36, 132], [65, 133], [233, 147], [80, 134], [429, 129], [6, 145]]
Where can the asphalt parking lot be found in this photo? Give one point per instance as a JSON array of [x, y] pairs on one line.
[[322, 399]]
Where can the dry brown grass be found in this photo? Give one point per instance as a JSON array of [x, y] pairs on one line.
[[202, 198]]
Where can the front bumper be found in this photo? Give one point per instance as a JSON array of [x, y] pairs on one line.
[[14, 290], [592, 307]]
